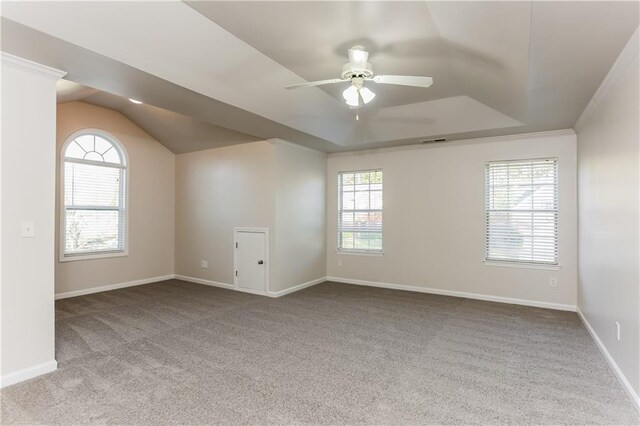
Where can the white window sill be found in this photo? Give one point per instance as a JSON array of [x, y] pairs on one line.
[[360, 253], [92, 256], [522, 265]]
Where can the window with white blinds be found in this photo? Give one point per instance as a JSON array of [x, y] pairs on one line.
[[522, 211], [360, 211], [94, 185]]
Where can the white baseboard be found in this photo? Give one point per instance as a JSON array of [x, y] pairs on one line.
[[194, 280], [476, 296], [295, 288], [28, 373], [612, 363], [204, 282], [260, 293], [92, 290]]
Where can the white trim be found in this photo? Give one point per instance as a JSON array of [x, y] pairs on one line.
[[278, 141], [612, 363], [204, 282], [28, 373], [124, 157], [251, 291], [340, 228], [109, 287], [117, 145], [628, 54], [488, 139], [465, 295], [33, 67], [295, 288], [92, 256], [516, 263], [258, 230], [219, 284], [507, 264], [274, 294], [194, 280], [348, 252]]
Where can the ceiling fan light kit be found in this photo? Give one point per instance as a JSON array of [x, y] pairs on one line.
[[366, 95], [357, 71], [356, 92], [351, 95]]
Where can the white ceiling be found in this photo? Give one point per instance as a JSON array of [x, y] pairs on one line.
[[498, 67]]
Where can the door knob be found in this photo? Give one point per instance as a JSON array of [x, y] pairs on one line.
[[260, 262]]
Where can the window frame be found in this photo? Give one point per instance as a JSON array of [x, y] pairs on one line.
[[124, 197], [516, 263], [354, 251]]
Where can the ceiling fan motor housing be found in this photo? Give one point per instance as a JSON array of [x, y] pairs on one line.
[[348, 72], [358, 70]]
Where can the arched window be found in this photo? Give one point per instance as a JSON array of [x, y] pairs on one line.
[[94, 213]]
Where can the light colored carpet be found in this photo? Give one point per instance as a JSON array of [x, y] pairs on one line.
[[181, 353]]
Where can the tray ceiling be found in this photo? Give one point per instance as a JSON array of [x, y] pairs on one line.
[[498, 67]]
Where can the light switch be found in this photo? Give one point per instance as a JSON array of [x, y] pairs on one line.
[[28, 229]]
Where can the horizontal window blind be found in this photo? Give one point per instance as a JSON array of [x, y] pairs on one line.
[[522, 211], [94, 201], [360, 211]]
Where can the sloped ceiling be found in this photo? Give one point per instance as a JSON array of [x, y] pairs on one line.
[[498, 67], [179, 133]]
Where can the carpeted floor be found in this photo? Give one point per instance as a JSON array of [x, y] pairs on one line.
[[181, 353]]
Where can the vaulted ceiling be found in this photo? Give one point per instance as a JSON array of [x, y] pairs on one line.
[[498, 67], [179, 133]]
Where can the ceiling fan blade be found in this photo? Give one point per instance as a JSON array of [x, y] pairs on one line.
[[315, 83], [358, 58], [403, 80]]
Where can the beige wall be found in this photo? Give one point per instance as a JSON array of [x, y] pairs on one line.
[[609, 214], [300, 252], [217, 190], [27, 175], [151, 176], [265, 184], [434, 219]]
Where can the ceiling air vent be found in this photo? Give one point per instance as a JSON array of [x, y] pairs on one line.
[[434, 140]]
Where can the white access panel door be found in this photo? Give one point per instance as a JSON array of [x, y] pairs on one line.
[[251, 260]]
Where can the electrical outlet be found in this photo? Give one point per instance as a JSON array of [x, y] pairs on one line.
[[618, 331], [339, 261], [204, 264], [553, 282]]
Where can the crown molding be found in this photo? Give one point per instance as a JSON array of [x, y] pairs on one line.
[[628, 54], [458, 142], [30, 66]]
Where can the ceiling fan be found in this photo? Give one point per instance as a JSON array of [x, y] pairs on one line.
[[357, 71]]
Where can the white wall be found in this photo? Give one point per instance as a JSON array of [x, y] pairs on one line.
[[217, 190], [609, 214], [300, 244], [434, 219], [151, 204], [27, 171]]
